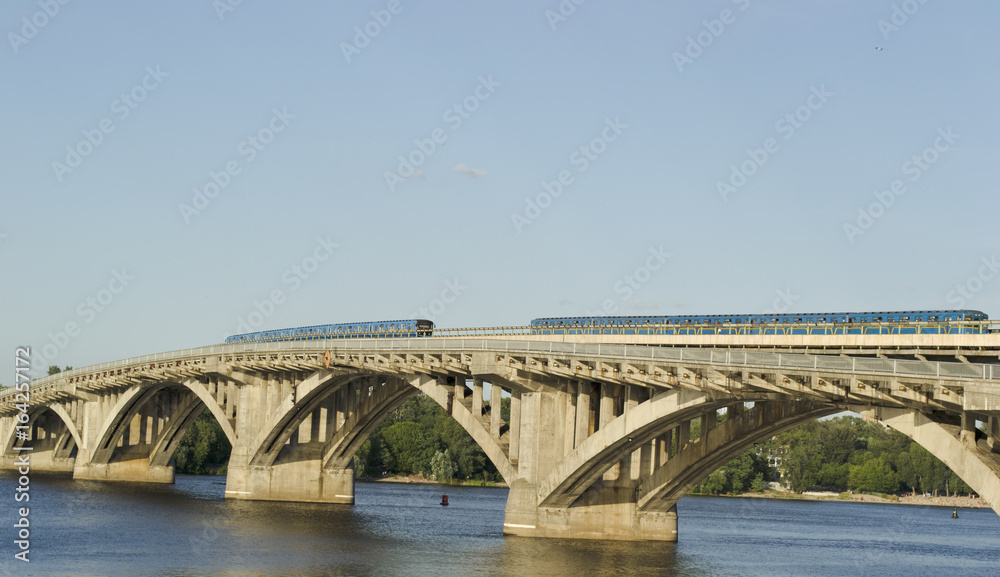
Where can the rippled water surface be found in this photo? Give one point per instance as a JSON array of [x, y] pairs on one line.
[[83, 528]]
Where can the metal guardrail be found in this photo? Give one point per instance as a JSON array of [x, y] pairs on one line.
[[627, 352]]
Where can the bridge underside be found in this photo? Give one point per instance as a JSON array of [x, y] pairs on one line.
[[593, 448]]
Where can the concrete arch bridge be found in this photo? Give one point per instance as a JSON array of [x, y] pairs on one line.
[[598, 443]]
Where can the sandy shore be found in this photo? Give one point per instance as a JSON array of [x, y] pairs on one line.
[[961, 502]]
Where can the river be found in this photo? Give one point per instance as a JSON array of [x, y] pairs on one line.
[[91, 529]]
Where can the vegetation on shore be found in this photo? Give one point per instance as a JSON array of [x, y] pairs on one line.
[[838, 455]]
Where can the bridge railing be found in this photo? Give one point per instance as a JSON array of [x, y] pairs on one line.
[[736, 357]]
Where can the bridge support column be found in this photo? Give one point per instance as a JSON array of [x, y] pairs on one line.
[[303, 481], [608, 513], [607, 510], [134, 470]]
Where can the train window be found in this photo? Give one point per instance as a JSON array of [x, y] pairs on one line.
[[932, 318], [729, 320], [821, 320], [797, 320], [877, 319]]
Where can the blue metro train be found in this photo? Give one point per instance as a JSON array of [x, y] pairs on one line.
[[876, 323], [369, 330]]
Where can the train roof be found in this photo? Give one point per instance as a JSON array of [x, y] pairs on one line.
[[781, 315], [380, 322]]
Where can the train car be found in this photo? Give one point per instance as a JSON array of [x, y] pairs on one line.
[[366, 330], [870, 323]]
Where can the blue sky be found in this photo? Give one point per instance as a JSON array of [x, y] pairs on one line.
[[734, 146]]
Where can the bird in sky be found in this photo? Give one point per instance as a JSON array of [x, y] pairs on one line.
[[879, 48]]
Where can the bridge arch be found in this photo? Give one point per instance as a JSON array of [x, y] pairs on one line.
[[974, 462], [362, 400], [10, 439], [142, 427]]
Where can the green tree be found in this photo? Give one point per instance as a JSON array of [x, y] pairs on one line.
[[204, 447], [411, 446], [714, 484], [442, 467], [874, 476]]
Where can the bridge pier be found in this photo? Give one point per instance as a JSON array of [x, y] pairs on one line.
[[303, 481], [134, 470], [554, 427], [609, 513]]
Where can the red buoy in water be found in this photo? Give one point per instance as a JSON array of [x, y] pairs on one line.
[[444, 500]]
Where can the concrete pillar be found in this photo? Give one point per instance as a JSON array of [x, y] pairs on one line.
[[230, 400], [583, 390], [684, 438], [343, 410], [477, 397], [495, 420], [968, 434], [708, 422], [993, 429], [607, 403], [515, 426]]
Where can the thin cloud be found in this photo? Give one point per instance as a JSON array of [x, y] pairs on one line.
[[468, 170]]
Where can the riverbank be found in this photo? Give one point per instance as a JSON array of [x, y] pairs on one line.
[[961, 502], [423, 480], [954, 501]]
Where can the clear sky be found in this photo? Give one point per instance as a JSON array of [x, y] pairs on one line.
[[172, 170]]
